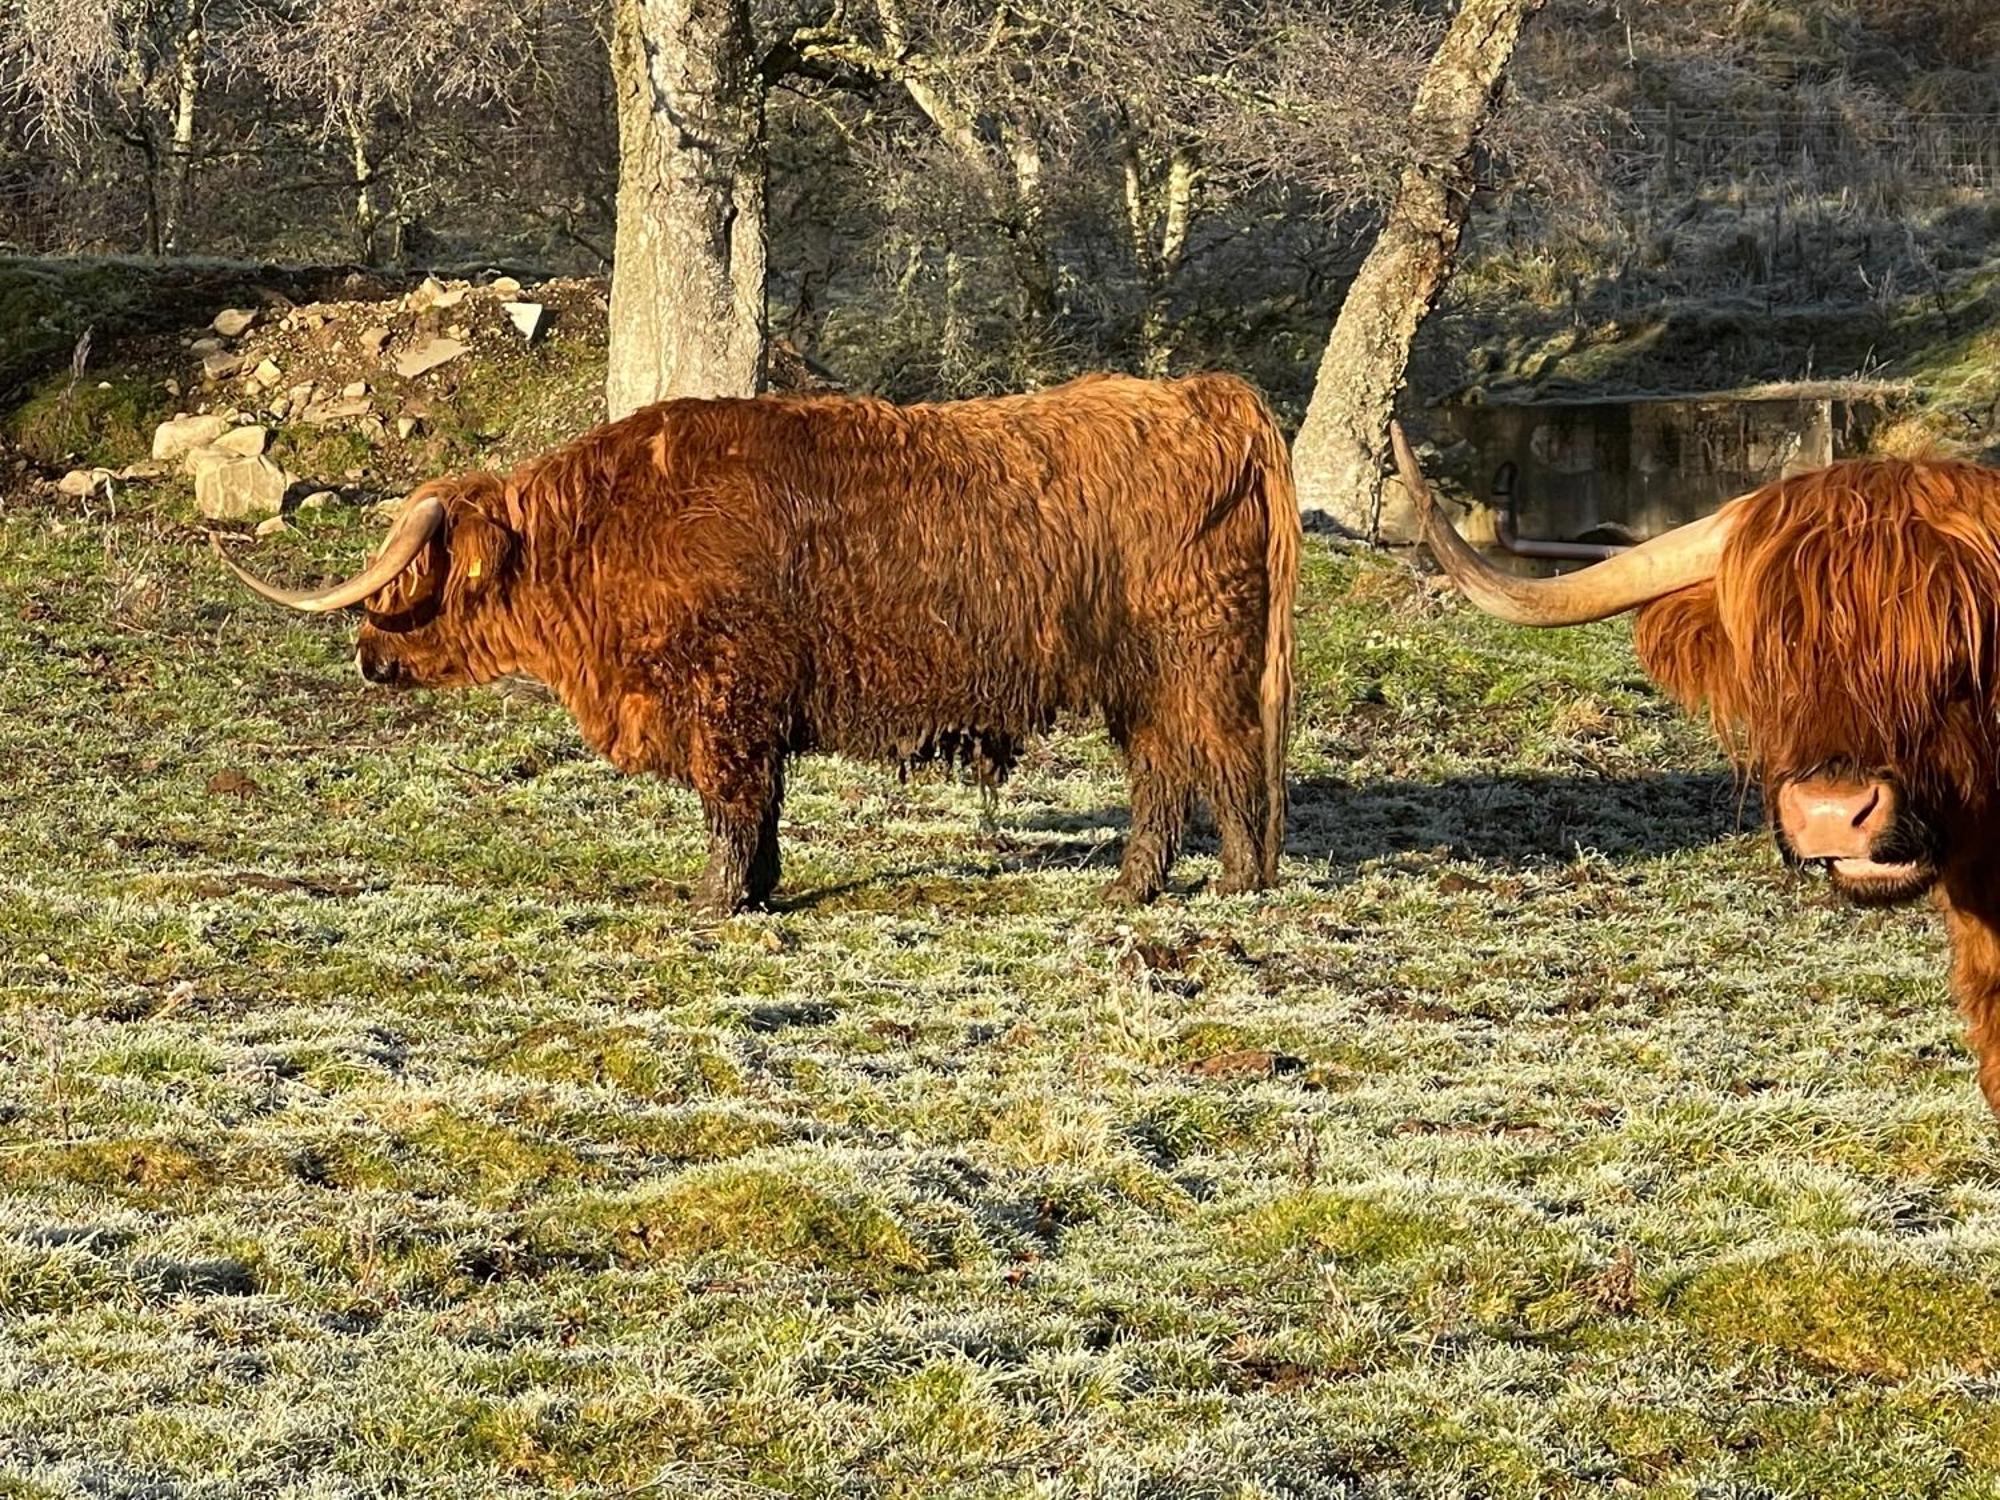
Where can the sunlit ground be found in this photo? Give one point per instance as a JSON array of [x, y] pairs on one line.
[[376, 1117]]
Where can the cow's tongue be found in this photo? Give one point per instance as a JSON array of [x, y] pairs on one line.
[[1869, 869]]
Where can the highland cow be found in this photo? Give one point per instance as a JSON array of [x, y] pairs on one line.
[[715, 586], [1842, 628]]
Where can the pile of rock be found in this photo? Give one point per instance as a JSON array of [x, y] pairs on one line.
[[386, 366], [403, 341], [234, 480], [444, 357], [218, 360]]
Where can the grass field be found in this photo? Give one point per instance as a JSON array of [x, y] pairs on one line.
[[375, 1118]]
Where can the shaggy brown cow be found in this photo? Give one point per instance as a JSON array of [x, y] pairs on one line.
[[712, 586], [1842, 628]]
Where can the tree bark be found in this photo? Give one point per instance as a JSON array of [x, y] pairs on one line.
[[190, 39], [687, 278], [1158, 264], [367, 219], [1337, 458]]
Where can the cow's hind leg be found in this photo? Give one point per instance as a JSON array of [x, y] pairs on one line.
[[1235, 783], [1230, 733], [1162, 786]]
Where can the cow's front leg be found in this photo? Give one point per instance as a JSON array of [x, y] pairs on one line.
[[1975, 985], [742, 813], [1982, 1031], [1971, 902], [764, 863]]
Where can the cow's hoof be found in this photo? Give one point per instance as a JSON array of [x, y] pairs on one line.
[[1237, 885], [1123, 892], [717, 904]]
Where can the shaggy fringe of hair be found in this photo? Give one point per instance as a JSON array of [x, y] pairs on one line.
[[1852, 617]]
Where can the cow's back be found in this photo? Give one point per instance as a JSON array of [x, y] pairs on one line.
[[968, 566]]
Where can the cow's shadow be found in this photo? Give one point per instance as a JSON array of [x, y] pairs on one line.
[[1514, 820], [1519, 819]]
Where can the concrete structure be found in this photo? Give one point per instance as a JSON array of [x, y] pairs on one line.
[[1625, 469]]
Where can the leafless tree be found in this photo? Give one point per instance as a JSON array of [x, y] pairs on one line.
[[1032, 121], [1338, 453], [356, 63], [133, 67]]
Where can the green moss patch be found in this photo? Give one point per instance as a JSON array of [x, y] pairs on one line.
[[1847, 1309], [1360, 1229], [129, 1168], [668, 1067], [753, 1214], [89, 422]]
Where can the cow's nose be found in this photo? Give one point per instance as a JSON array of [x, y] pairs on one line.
[[381, 670], [1825, 818]]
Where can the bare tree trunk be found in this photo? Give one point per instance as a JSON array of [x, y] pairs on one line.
[[367, 218], [189, 42], [955, 338], [1337, 459], [1158, 263], [142, 141], [133, 90], [1026, 227], [687, 281]]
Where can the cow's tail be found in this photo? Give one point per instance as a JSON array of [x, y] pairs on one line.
[[1270, 471]]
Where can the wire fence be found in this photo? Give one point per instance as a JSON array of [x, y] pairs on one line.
[[1808, 151]]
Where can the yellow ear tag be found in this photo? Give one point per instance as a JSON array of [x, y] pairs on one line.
[[474, 568]]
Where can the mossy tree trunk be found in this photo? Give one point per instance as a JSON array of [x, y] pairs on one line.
[[688, 275], [1337, 458]]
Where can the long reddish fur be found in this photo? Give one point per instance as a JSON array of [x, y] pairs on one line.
[[1854, 620], [713, 585]]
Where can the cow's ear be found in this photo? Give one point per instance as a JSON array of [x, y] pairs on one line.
[[480, 549], [1684, 648]]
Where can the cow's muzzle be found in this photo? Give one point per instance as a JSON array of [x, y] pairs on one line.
[[383, 671], [1859, 830]]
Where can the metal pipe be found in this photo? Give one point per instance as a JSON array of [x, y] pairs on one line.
[[1509, 540]]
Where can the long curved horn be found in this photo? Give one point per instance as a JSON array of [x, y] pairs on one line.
[[406, 539], [1676, 560]]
